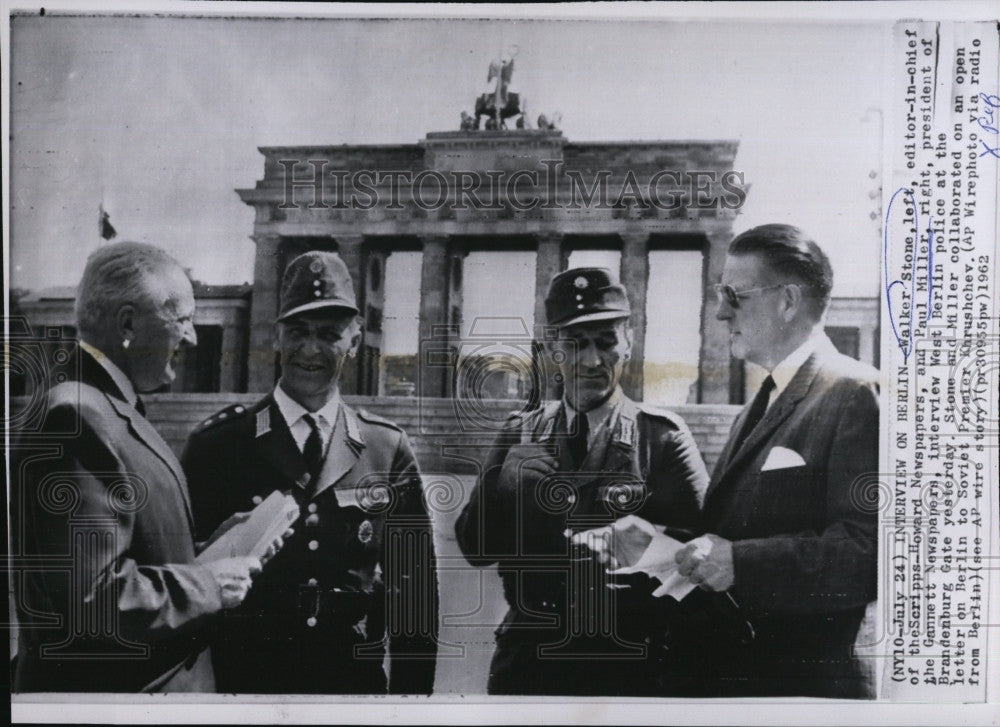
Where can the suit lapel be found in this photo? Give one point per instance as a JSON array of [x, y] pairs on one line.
[[93, 374], [277, 446], [345, 448], [777, 413]]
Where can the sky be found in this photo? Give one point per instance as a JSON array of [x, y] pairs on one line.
[[159, 119]]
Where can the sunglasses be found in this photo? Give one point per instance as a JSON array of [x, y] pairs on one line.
[[732, 296]]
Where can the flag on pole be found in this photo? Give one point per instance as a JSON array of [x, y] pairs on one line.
[[106, 229]]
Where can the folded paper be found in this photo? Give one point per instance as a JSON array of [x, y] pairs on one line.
[[638, 546], [267, 522]]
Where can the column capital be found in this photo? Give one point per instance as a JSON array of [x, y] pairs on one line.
[[433, 239], [632, 238], [266, 240], [550, 237]]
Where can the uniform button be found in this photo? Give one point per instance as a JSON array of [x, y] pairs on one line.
[[312, 582], [313, 545], [317, 293], [257, 499], [579, 306], [311, 507], [311, 621], [238, 410], [579, 297], [312, 521]]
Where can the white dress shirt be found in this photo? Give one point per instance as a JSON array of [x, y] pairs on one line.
[[785, 371], [294, 414], [595, 417]]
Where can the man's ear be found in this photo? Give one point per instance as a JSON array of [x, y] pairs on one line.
[[125, 322], [356, 327], [627, 330], [792, 300]]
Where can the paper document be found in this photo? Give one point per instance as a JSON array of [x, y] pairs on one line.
[[641, 547], [267, 522]]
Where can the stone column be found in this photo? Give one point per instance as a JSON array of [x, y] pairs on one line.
[[263, 310], [351, 251], [551, 258], [433, 369], [374, 313], [635, 278], [720, 379], [456, 269]]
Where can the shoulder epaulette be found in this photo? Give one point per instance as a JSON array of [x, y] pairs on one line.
[[661, 413], [376, 419], [227, 414]]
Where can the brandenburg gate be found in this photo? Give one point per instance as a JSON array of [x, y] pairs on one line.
[[492, 189]]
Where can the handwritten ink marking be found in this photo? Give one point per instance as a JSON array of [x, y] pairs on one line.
[[987, 122], [907, 273]]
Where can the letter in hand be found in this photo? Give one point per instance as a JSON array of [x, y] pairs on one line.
[[708, 562], [234, 576], [228, 524], [634, 545], [525, 466], [620, 544]]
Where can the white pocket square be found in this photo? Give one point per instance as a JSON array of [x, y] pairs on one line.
[[780, 458]]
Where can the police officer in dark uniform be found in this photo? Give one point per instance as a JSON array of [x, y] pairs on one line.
[[360, 565], [575, 464]]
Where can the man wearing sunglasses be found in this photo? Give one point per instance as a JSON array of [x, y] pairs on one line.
[[792, 536]]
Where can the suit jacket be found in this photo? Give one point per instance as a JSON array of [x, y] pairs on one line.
[[804, 536], [359, 568], [645, 463], [110, 597]]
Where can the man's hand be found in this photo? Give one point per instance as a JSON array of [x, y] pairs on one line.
[[234, 576], [620, 544], [708, 562], [228, 524], [525, 466], [277, 544]]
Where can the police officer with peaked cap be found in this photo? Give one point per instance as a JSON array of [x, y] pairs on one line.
[[574, 464], [360, 566]]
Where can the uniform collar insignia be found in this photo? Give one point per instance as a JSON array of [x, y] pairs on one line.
[[263, 421], [353, 429], [548, 420], [626, 434]]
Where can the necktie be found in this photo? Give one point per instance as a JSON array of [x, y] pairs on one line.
[[578, 441], [140, 406], [312, 453], [755, 414]]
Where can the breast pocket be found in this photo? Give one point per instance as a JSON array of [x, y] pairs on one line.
[[784, 501], [362, 518]]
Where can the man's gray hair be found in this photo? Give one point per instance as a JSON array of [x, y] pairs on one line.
[[120, 274]]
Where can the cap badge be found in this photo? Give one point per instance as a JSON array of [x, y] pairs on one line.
[[316, 266], [580, 282], [365, 531]]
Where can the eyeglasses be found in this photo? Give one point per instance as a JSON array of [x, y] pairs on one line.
[[732, 296]]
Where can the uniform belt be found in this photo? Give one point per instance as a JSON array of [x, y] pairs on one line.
[[349, 606]]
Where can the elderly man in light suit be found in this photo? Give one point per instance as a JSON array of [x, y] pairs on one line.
[[111, 598], [790, 537]]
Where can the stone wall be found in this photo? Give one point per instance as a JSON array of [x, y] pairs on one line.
[[446, 435]]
